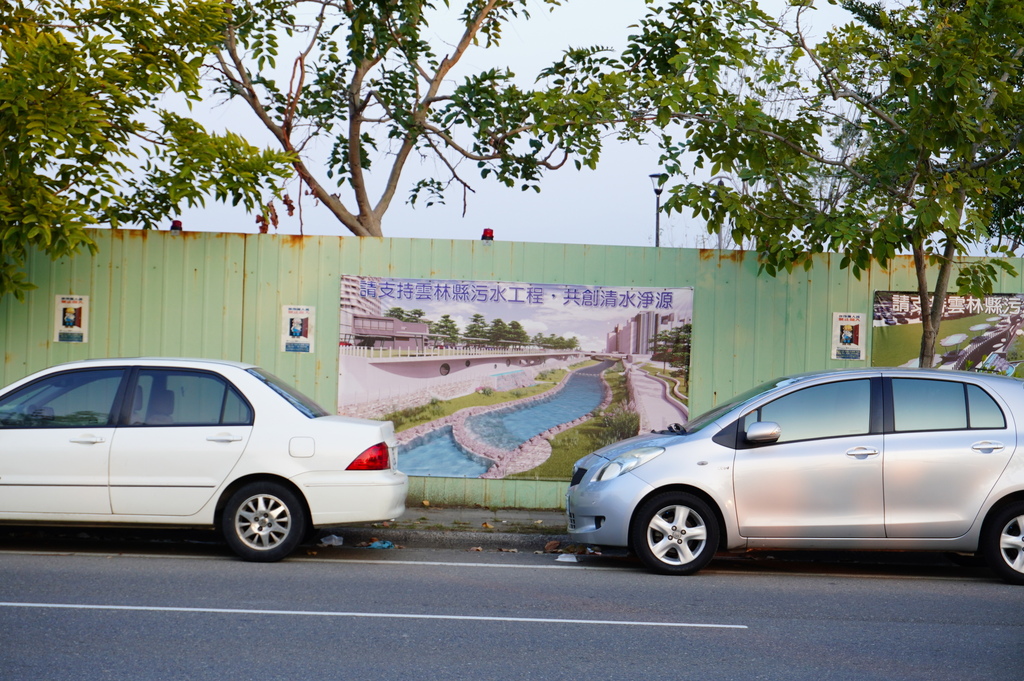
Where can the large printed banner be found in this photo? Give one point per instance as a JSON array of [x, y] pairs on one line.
[[493, 379], [976, 334]]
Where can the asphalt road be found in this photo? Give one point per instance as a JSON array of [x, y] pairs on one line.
[[193, 612]]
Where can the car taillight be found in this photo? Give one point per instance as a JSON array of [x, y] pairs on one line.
[[376, 458]]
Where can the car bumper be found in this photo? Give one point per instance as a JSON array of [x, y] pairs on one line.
[[600, 512], [354, 497]]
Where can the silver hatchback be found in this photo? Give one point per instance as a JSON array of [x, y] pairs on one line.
[[909, 459]]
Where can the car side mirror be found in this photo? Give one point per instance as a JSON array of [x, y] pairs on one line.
[[764, 431]]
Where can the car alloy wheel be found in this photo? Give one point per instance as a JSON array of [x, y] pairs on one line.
[[263, 522], [675, 533], [1003, 543]]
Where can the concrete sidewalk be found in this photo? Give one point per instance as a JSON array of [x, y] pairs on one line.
[[459, 527]]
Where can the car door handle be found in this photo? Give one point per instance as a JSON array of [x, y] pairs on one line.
[[987, 447], [224, 437], [87, 440], [861, 452]]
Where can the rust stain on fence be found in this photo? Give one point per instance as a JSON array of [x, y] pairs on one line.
[[293, 240], [714, 253]]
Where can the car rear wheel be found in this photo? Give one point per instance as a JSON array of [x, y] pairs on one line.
[[675, 533], [1003, 543], [263, 522]]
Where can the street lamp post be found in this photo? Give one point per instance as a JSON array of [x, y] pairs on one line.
[[656, 180]]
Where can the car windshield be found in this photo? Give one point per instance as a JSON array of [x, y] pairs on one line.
[[295, 398], [708, 417]]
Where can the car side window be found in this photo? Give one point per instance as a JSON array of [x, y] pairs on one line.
[[982, 410], [170, 397], [72, 399], [829, 410], [920, 404]]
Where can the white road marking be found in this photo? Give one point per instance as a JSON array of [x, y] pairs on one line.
[[375, 615]]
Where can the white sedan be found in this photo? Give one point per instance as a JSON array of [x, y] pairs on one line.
[[190, 443]]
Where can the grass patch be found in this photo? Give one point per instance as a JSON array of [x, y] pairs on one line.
[[566, 449], [1015, 353], [437, 409], [895, 345]]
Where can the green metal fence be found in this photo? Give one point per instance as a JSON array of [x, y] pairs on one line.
[[220, 295]]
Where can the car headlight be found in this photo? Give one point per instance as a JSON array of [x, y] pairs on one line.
[[627, 461]]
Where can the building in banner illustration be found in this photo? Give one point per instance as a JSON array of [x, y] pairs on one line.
[[492, 379], [976, 334]]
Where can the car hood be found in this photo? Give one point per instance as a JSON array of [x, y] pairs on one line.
[[609, 452]]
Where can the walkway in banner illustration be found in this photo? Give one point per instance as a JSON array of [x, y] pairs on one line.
[[657, 408]]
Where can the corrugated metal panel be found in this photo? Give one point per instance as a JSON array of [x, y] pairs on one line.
[[286, 270], [489, 493], [169, 294]]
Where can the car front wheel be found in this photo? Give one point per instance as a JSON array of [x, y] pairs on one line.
[[263, 522], [1003, 543], [675, 533]]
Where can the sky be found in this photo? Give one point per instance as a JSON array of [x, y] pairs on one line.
[[612, 205]]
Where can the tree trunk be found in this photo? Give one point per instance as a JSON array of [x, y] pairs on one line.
[[926, 355], [931, 305]]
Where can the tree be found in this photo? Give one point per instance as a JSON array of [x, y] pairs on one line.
[[83, 140], [498, 331], [365, 80], [396, 313], [408, 316], [446, 328], [554, 342], [477, 328], [673, 347], [898, 132], [1008, 216], [517, 334]]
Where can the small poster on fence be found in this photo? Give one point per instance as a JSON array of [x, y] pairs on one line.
[[848, 335], [71, 319], [297, 328]]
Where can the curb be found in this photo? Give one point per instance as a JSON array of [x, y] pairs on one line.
[[446, 539]]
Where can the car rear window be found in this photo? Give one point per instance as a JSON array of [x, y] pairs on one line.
[[304, 404], [920, 405], [182, 397]]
